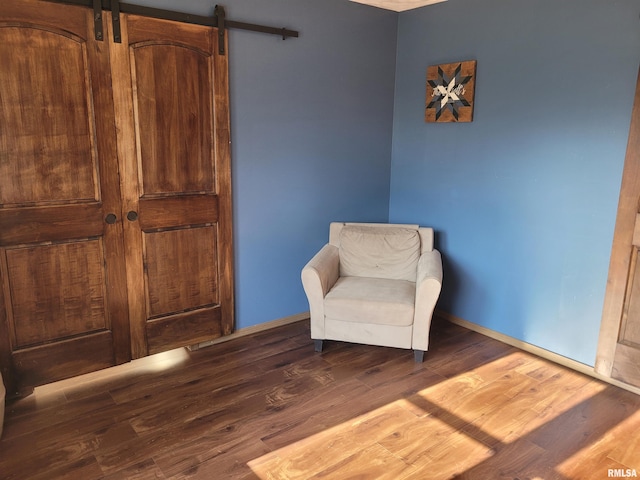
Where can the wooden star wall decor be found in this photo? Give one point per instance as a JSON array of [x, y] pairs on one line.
[[450, 91]]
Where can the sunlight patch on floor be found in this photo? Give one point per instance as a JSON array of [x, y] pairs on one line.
[[599, 458], [443, 430], [383, 443], [150, 364], [527, 398]]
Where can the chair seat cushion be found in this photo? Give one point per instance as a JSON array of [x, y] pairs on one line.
[[371, 300]]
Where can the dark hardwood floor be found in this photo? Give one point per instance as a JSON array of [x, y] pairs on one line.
[[266, 406]]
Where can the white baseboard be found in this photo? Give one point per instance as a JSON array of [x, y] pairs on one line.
[[243, 332], [540, 352]]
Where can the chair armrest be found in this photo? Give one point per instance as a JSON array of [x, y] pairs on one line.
[[319, 275], [429, 267], [428, 286]]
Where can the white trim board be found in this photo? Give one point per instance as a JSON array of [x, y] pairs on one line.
[[540, 352]]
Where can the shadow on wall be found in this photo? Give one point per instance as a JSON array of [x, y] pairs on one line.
[[475, 295], [451, 276]]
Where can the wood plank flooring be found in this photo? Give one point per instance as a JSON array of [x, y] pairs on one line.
[[267, 406]]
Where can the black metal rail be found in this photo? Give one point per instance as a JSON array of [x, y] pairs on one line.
[[218, 19]]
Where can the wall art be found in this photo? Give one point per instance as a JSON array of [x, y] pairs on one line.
[[450, 92]]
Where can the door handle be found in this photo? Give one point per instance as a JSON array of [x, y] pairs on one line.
[[111, 218], [132, 216]]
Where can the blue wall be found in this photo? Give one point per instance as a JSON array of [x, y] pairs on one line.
[[311, 130], [523, 198]]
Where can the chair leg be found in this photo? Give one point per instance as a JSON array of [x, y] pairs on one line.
[[418, 355], [317, 345]]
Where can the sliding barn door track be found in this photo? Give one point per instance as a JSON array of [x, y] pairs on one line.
[[218, 19]]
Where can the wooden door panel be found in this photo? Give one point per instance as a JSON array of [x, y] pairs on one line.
[[626, 364], [59, 360], [51, 134], [630, 325], [173, 102], [175, 279], [58, 182], [186, 328], [57, 291], [626, 361]]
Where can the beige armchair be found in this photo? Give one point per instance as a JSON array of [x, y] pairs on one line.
[[375, 284]]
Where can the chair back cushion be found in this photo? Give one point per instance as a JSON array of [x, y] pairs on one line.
[[379, 252]]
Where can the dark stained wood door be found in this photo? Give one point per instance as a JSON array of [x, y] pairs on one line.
[[115, 191], [173, 115], [63, 300]]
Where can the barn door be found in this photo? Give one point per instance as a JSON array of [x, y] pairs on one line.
[[172, 109], [619, 343], [115, 190], [63, 300]]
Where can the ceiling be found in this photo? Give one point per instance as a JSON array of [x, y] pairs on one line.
[[398, 5]]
